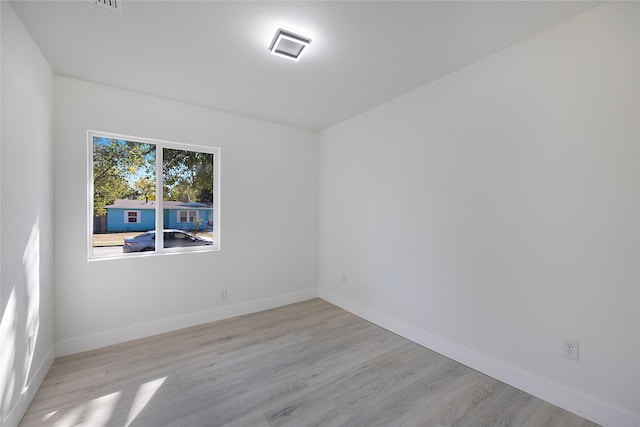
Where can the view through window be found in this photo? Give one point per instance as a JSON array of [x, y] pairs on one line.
[[126, 215]]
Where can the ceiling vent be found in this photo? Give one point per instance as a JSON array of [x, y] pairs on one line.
[[112, 5]]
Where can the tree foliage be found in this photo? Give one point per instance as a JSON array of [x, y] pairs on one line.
[[146, 187], [188, 175], [126, 170], [115, 164]]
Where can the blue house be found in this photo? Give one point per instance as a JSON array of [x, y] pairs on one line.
[[140, 215]]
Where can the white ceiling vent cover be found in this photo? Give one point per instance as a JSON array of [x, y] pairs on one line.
[[112, 5]]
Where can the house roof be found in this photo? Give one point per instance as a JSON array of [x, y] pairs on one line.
[[151, 204]]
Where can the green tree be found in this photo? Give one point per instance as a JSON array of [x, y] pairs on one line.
[[116, 163], [146, 187], [125, 169], [197, 222], [187, 175]]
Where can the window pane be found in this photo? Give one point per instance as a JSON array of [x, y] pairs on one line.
[[188, 194], [124, 184], [132, 216]]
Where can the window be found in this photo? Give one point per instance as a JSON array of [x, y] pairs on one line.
[[132, 217], [187, 216], [125, 214]]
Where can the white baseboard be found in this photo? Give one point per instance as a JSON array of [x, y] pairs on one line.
[[22, 404], [557, 394], [115, 336]]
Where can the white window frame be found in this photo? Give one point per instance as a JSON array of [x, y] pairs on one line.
[[126, 216], [189, 218], [160, 145]]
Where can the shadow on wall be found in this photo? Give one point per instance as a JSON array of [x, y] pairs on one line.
[[19, 327]]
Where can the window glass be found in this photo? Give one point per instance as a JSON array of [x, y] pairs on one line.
[[188, 182], [124, 187], [125, 214], [132, 216]]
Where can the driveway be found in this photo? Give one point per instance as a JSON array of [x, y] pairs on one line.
[[107, 250]]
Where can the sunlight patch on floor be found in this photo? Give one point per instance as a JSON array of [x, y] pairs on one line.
[[49, 415], [71, 417], [101, 409], [143, 396], [95, 413]]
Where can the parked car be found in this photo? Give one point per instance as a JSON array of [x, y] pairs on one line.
[[172, 239]]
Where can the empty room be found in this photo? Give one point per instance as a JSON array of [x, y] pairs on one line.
[[319, 213]]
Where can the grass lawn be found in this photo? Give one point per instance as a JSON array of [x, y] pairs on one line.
[[117, 239]]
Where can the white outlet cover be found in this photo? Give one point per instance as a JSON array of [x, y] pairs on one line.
[[570, 349]]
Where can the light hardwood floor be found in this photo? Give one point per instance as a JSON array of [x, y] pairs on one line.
[[306, 364]]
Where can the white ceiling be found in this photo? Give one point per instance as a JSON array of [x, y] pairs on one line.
[[214, 54]]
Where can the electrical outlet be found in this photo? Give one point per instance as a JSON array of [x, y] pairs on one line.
[[223, 295], [570, 349], [344, 278]]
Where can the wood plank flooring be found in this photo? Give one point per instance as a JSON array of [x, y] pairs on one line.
[[306, 364]]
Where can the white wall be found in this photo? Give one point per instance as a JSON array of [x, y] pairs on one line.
[[26, 302], [494, 212], [268, 230]]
